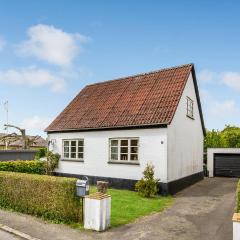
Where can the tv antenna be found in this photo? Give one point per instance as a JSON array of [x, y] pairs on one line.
[[6, 109]]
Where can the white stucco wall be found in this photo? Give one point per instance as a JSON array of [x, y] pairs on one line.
[[210, 157], [96, 153], [185, 138]]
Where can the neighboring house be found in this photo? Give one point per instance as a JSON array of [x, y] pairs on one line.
[[112, 129], [36, 141]]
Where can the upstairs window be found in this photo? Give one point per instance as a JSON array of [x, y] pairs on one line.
[[73, 149], [124, 150], [189, 107]]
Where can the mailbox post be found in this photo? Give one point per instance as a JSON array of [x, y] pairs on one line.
[[82, 190]]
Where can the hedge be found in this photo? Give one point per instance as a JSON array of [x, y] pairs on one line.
[[23, 166], [238, 198], [50, 197]]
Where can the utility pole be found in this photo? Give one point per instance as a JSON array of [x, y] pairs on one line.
[[6, 109]]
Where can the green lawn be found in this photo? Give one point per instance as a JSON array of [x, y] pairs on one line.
[[127, 206]]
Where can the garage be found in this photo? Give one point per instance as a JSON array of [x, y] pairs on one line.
[[226, 165], [223, 162]]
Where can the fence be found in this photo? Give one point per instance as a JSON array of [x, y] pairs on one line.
[[10, 155]]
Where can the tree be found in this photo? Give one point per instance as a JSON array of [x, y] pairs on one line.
[[27, 141], [229, 137], [213, 139]]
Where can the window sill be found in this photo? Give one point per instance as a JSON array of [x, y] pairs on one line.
[[190, 117], [72, 160], [126, 163]]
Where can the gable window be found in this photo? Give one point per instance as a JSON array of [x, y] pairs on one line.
[[189, 107], [124, 150], [73, 149]]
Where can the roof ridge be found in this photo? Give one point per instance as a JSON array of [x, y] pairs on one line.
[[142, 74]]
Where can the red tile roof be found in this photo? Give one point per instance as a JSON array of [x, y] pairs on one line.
[[139, 100]]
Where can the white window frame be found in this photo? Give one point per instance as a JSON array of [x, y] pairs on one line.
[[119, 150], [190, 108], [77, 152]]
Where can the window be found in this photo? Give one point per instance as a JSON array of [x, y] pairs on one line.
[[189, 107], [73, 149], [124, 150]]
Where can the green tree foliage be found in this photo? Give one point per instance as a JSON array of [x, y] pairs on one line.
[[229, 137], [42, 152]]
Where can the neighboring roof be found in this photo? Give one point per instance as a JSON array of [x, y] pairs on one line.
[[38, 142], [147, 99]]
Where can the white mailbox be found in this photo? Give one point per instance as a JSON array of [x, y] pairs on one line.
[[97, 211]]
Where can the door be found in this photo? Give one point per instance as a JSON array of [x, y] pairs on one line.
[[227, 165]]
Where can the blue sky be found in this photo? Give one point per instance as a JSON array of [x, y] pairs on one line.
[[49, 50]]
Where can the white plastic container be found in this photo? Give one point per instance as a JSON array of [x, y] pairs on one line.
[[236, 226], [97, 211]]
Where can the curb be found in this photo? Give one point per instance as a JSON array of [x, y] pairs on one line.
[[17, 233]]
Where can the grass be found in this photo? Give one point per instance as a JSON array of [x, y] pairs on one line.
[[127, 206]]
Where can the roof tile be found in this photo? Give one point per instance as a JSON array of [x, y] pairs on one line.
[[143, 99]]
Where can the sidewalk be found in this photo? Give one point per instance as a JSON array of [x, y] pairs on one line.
[[38, 228]]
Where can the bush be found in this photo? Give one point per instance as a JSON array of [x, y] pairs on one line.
[[50, 197], [34, 166], [238, 198], [147, 186], [42, 152], [51, 163]]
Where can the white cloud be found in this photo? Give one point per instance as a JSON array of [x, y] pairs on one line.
[[231, 79], [219, 112], [206, 76], [35, 123], [2, 43], [52, 45], [33, 77], [226, 109]]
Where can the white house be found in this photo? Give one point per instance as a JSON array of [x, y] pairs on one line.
[[112, 129]]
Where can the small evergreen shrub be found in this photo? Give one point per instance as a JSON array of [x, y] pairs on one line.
[[31, 166], [52, 162], [50, 197], [147, 186]]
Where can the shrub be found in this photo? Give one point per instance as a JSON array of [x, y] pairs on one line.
[[51, 163], [147, 186], [34, 166], [42, 152], [238, 198], [50, 197]]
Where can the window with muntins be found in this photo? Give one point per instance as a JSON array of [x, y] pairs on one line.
[[189, 107], [73, 149], [124, 150]]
